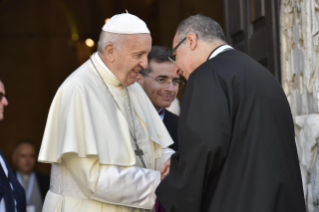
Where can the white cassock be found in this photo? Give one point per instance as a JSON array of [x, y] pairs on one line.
[[87, 139]]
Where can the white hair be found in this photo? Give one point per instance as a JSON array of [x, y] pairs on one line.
[[109, 38]]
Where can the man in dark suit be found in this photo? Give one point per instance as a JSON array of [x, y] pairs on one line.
[[12, 195], [36, 185], [161, 85], [237, 147]]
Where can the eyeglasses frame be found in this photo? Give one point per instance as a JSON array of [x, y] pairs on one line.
[[170, 57], [180, 81]]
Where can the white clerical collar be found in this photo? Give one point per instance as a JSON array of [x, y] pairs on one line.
[[161, 113], [99, 60], [219, 50]]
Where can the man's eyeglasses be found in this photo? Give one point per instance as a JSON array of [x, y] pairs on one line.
[[171, 57], [166, 81], [3, 95]]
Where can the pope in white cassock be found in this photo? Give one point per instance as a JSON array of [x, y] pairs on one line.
[[103, 136]]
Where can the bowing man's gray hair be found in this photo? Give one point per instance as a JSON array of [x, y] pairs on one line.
[[107, 38], [206, 28]]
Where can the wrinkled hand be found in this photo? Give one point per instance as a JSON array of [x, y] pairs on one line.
[[165, 168]]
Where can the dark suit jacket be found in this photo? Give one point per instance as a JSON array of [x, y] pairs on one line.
[[43, 182], [171, 121], [18, 190]]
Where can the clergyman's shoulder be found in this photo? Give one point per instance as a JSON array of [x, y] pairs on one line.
[[135, 87], [80, 78], [227, 65], [137, 90], [224, 61]]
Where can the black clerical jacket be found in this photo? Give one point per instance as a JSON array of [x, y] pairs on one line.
[[237, 151]]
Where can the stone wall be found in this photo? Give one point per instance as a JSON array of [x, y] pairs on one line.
[[300, 65]]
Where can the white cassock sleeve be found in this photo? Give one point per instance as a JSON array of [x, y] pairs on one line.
[[167, 153], [130, 186]]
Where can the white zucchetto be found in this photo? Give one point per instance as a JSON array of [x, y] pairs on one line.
[[126, 23]]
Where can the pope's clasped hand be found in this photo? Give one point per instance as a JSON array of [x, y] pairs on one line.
[[165, 168]]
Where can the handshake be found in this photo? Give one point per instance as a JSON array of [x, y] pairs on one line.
[[165, 168]]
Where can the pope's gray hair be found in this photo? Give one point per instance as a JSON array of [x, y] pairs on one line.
[[204, 27], [107, 38]]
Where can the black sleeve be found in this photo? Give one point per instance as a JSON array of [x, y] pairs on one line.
[[204, 137]]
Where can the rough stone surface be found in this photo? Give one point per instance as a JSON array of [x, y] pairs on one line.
[[300, 65]]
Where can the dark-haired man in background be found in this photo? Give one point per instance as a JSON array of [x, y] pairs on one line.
[[12, 195], [161, 85], [237, 149], [36, 185]]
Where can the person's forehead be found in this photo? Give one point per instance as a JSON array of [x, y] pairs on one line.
[[164, 69], [138, 42], [25, 148]]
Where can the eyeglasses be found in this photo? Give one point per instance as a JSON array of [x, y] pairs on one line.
[[3, 95], [165, 81], [172, 56]]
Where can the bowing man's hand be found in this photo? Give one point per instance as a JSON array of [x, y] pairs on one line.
[[165, 168]]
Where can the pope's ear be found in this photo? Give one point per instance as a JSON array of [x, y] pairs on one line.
[[109, 52], [192, 41]]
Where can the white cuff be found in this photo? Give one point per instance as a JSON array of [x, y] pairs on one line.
[[129, 186], [167, 153]]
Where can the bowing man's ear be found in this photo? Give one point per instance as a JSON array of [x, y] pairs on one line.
[[192, 41], [109, 52]]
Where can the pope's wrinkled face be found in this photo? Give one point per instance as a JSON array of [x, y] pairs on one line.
[[3, 101], [131, 57], [185, 62]]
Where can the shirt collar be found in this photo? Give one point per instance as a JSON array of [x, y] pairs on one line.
[[161, 113], [219, 50]]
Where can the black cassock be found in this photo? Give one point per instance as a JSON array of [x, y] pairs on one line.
[[237, 150]]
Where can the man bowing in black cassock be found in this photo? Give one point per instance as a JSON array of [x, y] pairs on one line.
[[237, 150]]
